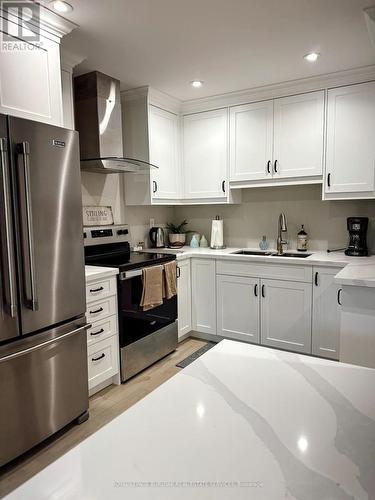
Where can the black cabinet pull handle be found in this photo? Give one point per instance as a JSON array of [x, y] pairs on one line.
[[339, 296], [178, 271], [100, 357], [97, 333], [97, 311], [154, 186], [269, 167], [329, 180], [223, 186], [316, 278], [275, 166], [263, 291], [95, 290], [256, 290]]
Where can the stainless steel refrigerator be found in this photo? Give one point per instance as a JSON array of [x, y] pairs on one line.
[[43, 347]]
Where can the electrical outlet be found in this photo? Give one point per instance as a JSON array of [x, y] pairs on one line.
[[152, 223]]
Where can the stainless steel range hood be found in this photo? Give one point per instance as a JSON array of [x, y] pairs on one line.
[[98, 121]]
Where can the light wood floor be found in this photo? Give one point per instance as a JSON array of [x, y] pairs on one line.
[[104, 406]]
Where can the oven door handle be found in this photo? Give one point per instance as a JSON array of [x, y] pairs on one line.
[[127, 275]]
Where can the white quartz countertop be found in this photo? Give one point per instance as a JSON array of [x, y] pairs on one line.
[[96, 272], [357, 271], [241, 422]]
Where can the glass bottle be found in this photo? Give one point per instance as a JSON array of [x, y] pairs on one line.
[[302, 240]]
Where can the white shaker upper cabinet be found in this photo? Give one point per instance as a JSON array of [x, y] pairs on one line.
[[298, 135], [30, 81], [350, 157], [251, 141], [163, 143], [205, 153]]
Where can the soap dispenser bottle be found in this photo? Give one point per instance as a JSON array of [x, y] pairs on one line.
[[302, 240]]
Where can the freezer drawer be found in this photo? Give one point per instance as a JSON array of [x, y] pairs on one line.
[[43, 387]]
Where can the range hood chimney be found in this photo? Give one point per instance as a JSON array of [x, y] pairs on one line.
[[98, 121]]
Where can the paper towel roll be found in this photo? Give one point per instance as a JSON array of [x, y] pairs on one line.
[[217, 234]]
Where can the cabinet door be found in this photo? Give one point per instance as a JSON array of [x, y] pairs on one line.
[[184, 297], [286, 315], [203, 295], [238, 307], [350, 157], [298, 135], [163, 134], [251, 141], [326, 314], [206, 154], [30, 82]]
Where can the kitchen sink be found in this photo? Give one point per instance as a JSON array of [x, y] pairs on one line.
[[272, 254], [290, 254], [252, 252]]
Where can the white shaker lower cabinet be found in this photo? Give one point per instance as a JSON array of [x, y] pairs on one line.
[[326, 313], [203, 296], [357, 331], [286, 315], [184, 297], [238, 307], [102, 337], [350, 155]]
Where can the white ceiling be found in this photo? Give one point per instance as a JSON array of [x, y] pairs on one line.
[[230, 44]]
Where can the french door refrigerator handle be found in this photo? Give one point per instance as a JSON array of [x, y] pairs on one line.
[[44, 344], [24, 149], [11, 306]]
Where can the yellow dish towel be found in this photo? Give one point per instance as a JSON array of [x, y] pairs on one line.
[[152, 294], [170, 276]]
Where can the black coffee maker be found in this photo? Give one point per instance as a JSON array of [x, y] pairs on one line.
[[357, 227]]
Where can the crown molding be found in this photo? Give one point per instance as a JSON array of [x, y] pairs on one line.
[[48, 23], [69, 60], [370, 23], [320, 82], [154, 97]]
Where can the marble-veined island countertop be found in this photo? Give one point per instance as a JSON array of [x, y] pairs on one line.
[[241, 422]]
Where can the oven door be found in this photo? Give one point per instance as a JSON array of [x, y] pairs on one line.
[[135, 323]]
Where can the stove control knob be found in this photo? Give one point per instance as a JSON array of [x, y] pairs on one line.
[[122, 231]]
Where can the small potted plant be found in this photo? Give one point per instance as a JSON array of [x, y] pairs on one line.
[[177, 233]]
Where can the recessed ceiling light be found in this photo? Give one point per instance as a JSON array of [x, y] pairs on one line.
[[312, 57], [61, 6], [196, 84]]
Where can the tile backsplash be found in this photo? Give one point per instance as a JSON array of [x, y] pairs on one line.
[[244, 224], [107, 190], [257, 215]]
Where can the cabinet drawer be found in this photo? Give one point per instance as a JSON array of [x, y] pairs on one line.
[[101, 309], [100, 289], [288, 272], [103, 361], [101, 330]]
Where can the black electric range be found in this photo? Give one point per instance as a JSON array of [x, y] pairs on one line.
[[109, 247], [144, 336]]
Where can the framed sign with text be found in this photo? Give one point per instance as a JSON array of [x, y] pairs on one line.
[[97, 216]]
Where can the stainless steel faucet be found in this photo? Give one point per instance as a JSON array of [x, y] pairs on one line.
[[281, 229]]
